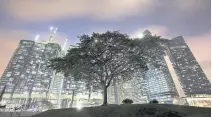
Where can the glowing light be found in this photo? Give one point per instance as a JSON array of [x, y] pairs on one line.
[[96, 40], [37, 37], [79, 107], [55, 30], [51, 28], [65, 44], [141, 35]]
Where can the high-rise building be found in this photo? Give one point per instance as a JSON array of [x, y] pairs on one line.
[[12, 76], [159, 83], [173, 75], [177, 72], [156, 83], [190, 74], [27, 77], [139, 85], [191, 83]]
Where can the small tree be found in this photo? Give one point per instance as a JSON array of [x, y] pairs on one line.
[[127, 101], [154, 101]]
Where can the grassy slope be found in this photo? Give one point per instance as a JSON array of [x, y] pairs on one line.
[[133, 110]]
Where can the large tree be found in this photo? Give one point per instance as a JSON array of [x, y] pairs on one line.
[[102, 57]]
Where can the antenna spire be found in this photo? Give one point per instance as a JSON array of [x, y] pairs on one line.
[[53, 31], [65, 44]]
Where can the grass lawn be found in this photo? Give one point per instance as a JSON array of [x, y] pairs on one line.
[[130, 110]]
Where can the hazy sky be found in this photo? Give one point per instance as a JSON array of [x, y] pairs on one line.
[[169, 18]]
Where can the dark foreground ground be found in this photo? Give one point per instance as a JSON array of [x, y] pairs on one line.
[[131, 110], [23, 114]]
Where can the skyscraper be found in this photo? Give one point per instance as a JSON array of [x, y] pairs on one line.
[[173, 75], [156, 83], [27, 76], [159, 82], [190, 74], [159, 85]]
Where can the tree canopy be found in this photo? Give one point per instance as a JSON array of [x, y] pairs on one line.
[[101, 57]]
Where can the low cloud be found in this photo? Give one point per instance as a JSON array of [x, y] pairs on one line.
[[187, 5], [41, 10], [57, 9]]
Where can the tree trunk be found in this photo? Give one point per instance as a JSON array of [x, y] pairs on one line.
[[11, 114], [72, 99], [105, 96], [115, 91], [29, 99], [89, 94]]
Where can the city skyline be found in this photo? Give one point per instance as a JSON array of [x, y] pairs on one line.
[[27, 74], [191, 20], [29, 80], [61, 42]]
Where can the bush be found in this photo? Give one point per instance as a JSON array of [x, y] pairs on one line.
[[127, 101], [154, 101]]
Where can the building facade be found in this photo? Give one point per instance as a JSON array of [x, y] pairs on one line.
[[27, 77], [159, 81], [173, 75], [191, 75]]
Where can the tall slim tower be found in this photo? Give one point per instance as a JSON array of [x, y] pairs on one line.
[[190, 74]]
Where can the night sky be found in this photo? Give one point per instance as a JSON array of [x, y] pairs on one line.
[[23, 19]]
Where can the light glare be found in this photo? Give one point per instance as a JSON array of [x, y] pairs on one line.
[[37, 37], [51, 28], [141, 35], [79, 107]]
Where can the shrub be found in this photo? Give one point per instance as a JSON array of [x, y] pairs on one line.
[[154, 101], [127, 101]]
